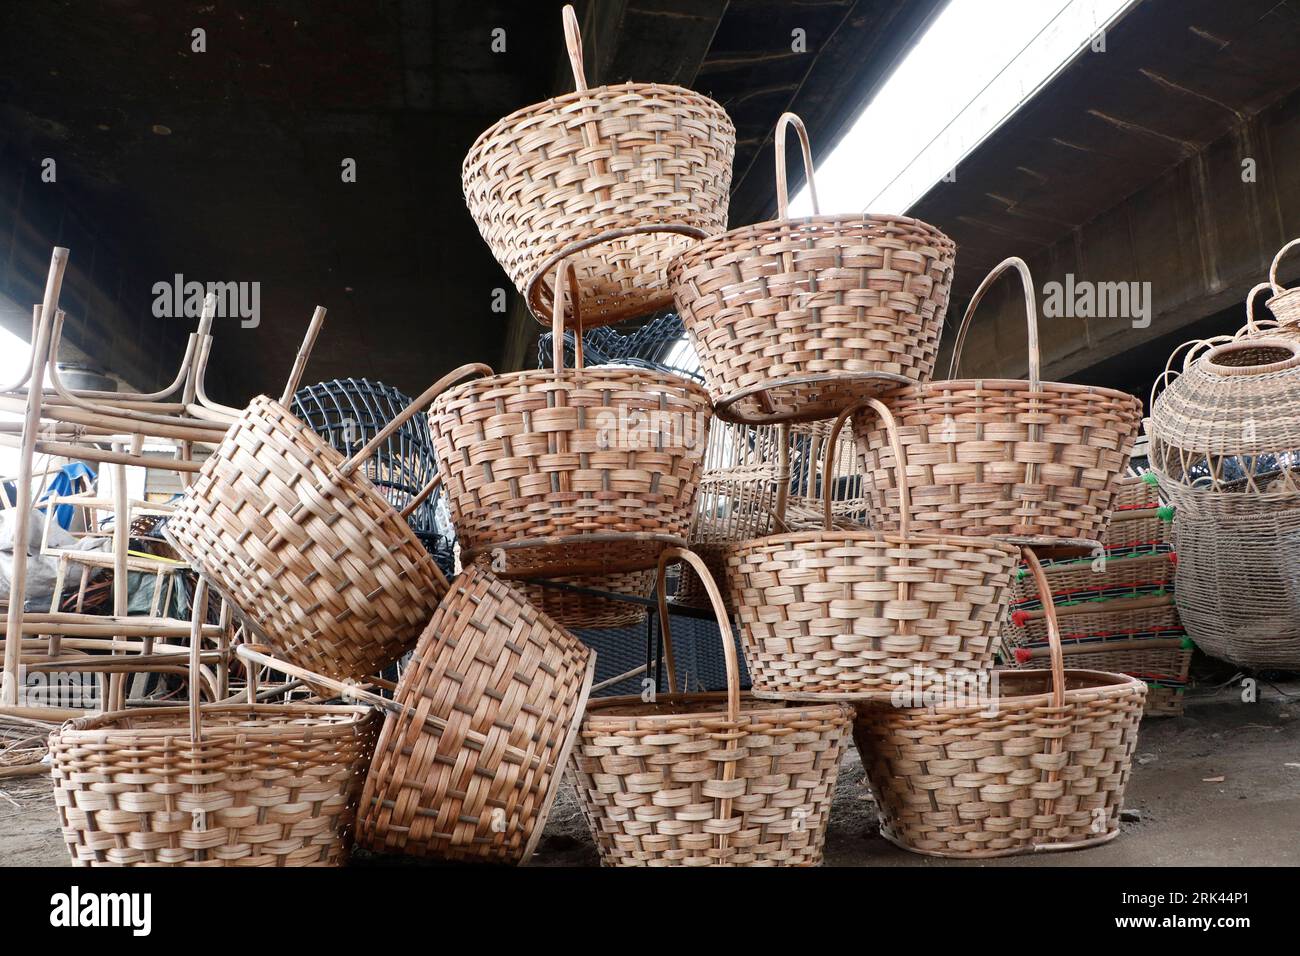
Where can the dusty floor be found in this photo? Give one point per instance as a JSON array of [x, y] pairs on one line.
[[1252, 817]]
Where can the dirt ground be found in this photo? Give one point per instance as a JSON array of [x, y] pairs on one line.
[[1251, 817]]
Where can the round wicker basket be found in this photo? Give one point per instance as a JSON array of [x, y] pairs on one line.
[[1041, 766], [212, 785], [1029, 462], [707, 779], [304, 546], [1285, 303], [617, 179], [571, 471], [796, 319], [861, 615]]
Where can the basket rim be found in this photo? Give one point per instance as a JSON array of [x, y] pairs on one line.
[[605, 91], [921, 392], [807, 711], [1112, 683], [868, 536], [98, 726], [635, 379]]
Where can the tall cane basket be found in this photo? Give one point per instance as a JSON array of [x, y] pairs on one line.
[[618, 179], [1040, 766], [796, 319], [1030, 462], [707, 779], [213, 785], [324, 570], [859, 615]]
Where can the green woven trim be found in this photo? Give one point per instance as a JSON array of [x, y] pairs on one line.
[[1150, 478]]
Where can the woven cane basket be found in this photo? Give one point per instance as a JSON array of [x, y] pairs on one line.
[[1138, 520], [1030, 462], [571, 471], [301, 542], [575, 609], [708, 779], [477, 733], [1100, 578], [618, 179], [860, 615], [1285, 303], [795, 319], [217, 785], [1162, 667], [1042, 766]]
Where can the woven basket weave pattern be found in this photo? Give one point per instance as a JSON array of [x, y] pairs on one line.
[[322, 565], [490, 702], [267, 786], [574, 609]]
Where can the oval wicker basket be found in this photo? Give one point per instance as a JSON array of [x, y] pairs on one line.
[[1041, 766], [619, 179], [304, 546], [477, 733], [1029, 462], [861, 615], [571, 471], [217, 785], [796, 319], [707, 779], [1285, 303]]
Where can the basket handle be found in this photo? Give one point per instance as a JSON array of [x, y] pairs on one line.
[[1251, 324], [559, 307], [198, 611], [1272, 269], [1031, 315], [1053, 628], [573, 40], [451, 378], [719, 611], [782, 186], [895, 443]]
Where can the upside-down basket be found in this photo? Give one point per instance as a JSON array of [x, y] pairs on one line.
[[1041, 765], [707, 779], [860, 615], [1030, 462], [475, 738], [316, 560], [212, 785], [796, 319], [571, 471], [618, 179]]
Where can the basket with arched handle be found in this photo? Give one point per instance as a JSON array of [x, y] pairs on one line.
[[227, 784], [796, 319], [1031, 462], [862, 615], [1285, 303], [581, 471], [616, 179], [717, 779], [1037, 761]]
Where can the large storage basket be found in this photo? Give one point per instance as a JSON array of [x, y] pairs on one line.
[[795, 319], [571, 471], [1031, 462], [476, 735], [217, 785], [619, 179], [858, 615], [1042, 765], [708, 779], [324, 570]]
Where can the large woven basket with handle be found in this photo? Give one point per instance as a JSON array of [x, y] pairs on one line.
[[212, 785], [861, 615], [571, 471], [708, 779], [617, 179], [317, 561], [1041, 765], [796, 319], [477, 732], [1030, 462]]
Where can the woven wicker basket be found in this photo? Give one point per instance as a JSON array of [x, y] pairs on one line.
[[571, 471], [1137, 518], [217, 785], [619, 179], [1285, 303], [861, 615], [575, 609], [708, 779], [1030, 462], [1043, 766], [476, 736], [796, 319], [318, 563]]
